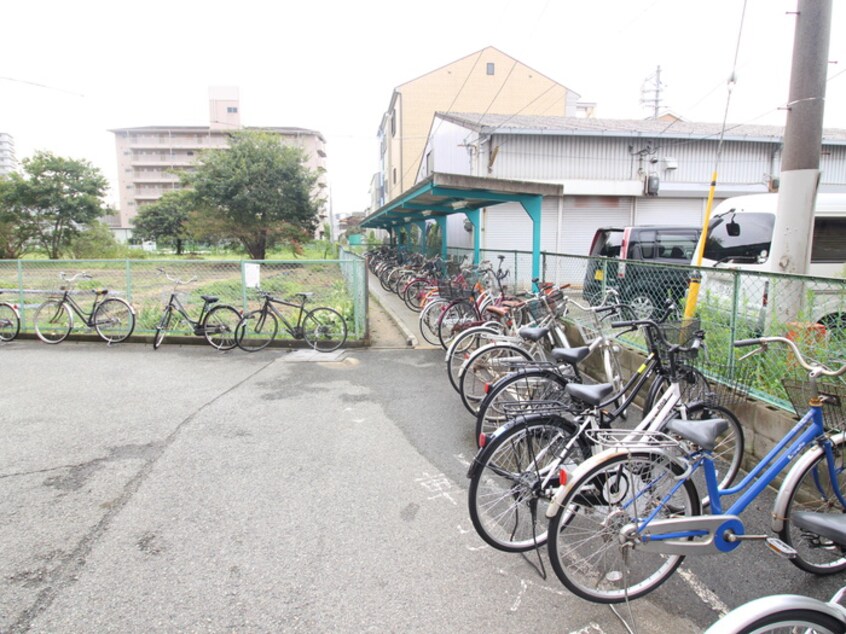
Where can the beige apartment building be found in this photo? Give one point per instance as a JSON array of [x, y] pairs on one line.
[[151, 158], [486, 82]]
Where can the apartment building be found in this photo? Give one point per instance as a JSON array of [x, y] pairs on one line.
[[488, 81], [150, 159], [8, 162]]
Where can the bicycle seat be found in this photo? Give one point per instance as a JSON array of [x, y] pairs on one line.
[[589, 394], [101, 291], [209, 299], [570, 355], [304, 294], [533, 334], [703, 432], [832, 527], [497, 310]]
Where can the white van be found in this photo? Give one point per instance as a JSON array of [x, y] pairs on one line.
[[738, 239]]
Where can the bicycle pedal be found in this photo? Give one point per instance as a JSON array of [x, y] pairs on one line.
[[780, 548]]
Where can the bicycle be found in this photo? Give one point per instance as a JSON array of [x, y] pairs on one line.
[[112, 317], [10, 321], [626, 518], [217, 325], [324, 329], [793, 612], [516, 471]]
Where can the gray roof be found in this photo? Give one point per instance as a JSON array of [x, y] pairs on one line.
[[579, 126]]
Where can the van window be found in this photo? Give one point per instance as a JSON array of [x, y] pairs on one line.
[[607, 243], [829, 243], [677, 245], [643, 245], [755, 236]]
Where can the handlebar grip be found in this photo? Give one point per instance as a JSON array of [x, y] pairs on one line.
[[742, 343], [623, 324]]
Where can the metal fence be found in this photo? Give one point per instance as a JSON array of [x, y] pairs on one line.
[[339, 284]]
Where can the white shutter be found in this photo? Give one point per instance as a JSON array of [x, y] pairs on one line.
[[583, 215], [669, 211]]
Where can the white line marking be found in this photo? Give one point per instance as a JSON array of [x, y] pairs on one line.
[[706, 595]]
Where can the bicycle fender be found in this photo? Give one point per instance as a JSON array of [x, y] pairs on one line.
[[749, 613], [791, 480]]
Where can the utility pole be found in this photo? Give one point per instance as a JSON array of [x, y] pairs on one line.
[[650, 95], [790, 251]]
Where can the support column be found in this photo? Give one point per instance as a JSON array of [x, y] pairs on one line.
[[533, 208], [473, 217], [442, 223], [421, 224]]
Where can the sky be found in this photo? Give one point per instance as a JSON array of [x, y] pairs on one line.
[[70, 72]]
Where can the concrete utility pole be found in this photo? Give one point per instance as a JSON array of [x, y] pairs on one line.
[[790, 251]]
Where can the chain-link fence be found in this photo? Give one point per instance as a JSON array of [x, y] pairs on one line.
[[338, 284]]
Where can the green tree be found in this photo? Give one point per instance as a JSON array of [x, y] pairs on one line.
[[166, 219], [62, 196], [17, 225], [257, 191], [96, 241]]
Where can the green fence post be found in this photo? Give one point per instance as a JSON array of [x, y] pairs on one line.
[[733, 319], [128, 282], [21, 301]]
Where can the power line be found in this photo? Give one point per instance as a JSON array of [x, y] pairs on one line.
[[32, 83]]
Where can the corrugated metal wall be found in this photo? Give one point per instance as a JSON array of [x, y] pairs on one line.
[[668, 211]]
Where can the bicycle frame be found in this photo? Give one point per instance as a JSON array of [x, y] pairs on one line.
[[293, 330], [87, 317], [175, 304]]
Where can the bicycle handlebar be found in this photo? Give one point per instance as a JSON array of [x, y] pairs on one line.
[[175, 280], [84, 276], [816, 369]]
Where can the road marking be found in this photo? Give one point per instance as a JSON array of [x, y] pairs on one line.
[[703, 592]]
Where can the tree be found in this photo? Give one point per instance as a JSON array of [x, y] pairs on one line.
[[166, 218], [257, 191], [96, 241], [60, 195], [17, 225]]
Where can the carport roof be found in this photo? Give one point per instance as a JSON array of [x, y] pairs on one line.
[[445, 194]]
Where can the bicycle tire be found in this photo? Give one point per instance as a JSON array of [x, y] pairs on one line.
[[812, 492], [506, 503], [518, 390], [53, 321], [256, 330], [774, 620], [10, 322], [483, 368], [730, 447], [451, 320], [412, 294], [114, 320], [462, 347], [587, 549], [162, 327], [220, 326], [324, 329], [428, 320]]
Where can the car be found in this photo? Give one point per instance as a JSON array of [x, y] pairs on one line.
[[646, 264]]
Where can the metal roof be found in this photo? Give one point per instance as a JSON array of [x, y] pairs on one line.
[[446, 194]]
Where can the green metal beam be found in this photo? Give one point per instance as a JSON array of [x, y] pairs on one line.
[[473, 216], [533, 206]]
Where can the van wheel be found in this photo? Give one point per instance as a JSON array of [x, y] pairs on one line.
[[642, 305]]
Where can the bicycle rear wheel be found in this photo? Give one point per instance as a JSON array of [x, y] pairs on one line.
[[463, 346], [813, 492], [114, 320], [455, 319], [590, 543], [220, 326], [162, 327], [484, 367], [53, 321], [256, 330], [10, 323], [507, 496], [324, 329], [773, 619]]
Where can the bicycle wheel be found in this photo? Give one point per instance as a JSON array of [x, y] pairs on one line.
[[413, 293], [454, 320], [593, 544], [53, 321], [484, 367], [428, 320], [775, 620], [694, 387], [114, 320], [162, 327], [10, 323], [220, 327], [324, 329], [514, 394], [462, 347], [508, 497], [813, 492], [256, 330]]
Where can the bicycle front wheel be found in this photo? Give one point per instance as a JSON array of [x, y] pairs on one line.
[[813, 492], [324, 329], [456, 318], [53, 321], [773, 619], [593, 542], [114, 320], [220, 326], [10, 323], [463, 346], [162, 327], [484, 367], [256, 330], [512, 481]]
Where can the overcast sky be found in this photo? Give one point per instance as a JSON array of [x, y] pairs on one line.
[[70, 71]]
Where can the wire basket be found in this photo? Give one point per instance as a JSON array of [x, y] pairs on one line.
[[521, 408], [673, 333], [631, 438], [452, 290], [728, 384], [833, 396]]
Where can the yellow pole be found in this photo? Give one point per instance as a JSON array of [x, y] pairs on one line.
[[695, 278]]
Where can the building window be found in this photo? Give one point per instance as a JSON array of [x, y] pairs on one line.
[[491, 68], [395, 176], [393, 123], [231, 110]]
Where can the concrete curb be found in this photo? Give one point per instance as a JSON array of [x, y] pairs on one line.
[[410, 339]]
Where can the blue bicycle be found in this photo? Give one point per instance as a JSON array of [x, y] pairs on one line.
[[625, 519]]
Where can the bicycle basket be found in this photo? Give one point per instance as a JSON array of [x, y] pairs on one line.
[[673, 333], [833, 396], [451, 290], [537, 309], [728, 384]]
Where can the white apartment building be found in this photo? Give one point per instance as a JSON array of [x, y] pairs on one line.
[[151, 158], [8, 162]]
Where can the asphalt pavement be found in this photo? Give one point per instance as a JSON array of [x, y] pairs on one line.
[[188, 490]]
